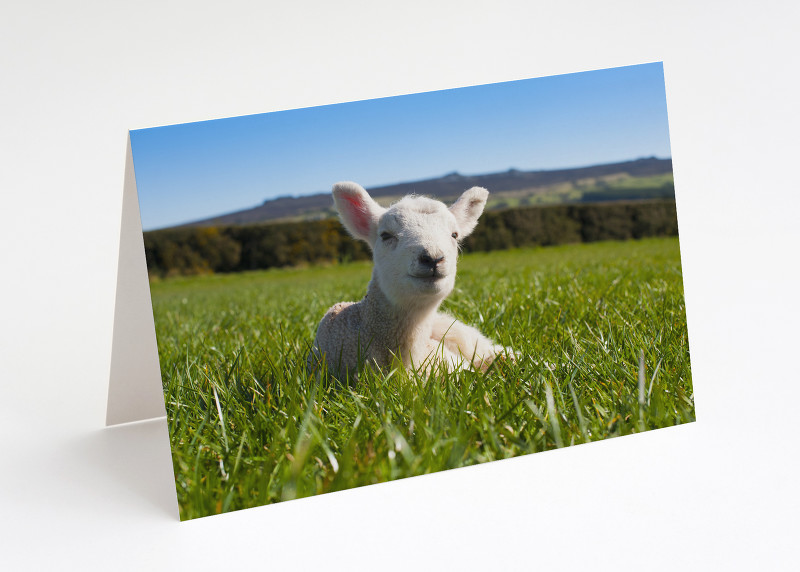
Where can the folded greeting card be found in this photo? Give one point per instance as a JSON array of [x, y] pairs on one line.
[[362, 292]]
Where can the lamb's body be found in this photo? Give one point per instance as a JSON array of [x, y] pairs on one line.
[[415, 246], [374, 331]]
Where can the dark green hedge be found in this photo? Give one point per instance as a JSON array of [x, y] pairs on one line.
[[194, 250]]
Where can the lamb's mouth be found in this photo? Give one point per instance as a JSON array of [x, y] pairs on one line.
[[428, 278]]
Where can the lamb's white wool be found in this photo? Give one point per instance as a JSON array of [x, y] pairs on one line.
[[415, 247]]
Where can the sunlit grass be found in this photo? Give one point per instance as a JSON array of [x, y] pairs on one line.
[[601, 328]]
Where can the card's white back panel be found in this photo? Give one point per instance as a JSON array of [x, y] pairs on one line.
[[134, 390]]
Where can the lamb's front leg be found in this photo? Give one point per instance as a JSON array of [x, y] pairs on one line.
[[438, 353], [467, 341]]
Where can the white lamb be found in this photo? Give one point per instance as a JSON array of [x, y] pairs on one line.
[[415, 247]]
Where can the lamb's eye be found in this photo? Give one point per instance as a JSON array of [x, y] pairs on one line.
[[386, 236], [455, 235]]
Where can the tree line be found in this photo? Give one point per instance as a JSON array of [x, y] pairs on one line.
[[193, 250]]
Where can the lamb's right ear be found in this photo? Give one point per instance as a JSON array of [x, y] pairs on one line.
[[359, 212]]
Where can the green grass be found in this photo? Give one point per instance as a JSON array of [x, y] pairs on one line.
[[601, 327]]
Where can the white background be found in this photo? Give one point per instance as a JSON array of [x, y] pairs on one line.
[[717, 494]]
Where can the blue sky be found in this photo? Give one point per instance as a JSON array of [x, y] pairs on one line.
[[198, 170]]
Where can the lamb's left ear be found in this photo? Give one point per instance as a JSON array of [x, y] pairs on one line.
[[359, 212], [468, 208]]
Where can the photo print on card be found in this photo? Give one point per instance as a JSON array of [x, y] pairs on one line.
[[362, 292]]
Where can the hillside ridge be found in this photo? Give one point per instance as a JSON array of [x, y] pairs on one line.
[[509, 188]]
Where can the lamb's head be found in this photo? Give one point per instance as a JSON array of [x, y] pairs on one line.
[[414, 242]]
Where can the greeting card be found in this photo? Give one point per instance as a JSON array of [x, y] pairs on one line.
[[331, 297]]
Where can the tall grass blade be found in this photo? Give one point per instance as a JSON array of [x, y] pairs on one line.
[[553, 414]]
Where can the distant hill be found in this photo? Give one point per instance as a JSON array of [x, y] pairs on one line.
[[639, 179]]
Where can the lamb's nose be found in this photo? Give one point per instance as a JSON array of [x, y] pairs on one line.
[[429, 261]]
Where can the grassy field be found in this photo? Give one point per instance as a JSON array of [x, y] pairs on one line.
[[587, 190], [602, 329]]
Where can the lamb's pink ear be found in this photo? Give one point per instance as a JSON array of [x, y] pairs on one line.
[[468, 208], [359, 213]]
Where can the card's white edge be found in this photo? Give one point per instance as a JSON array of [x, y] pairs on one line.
[[134, 387]]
